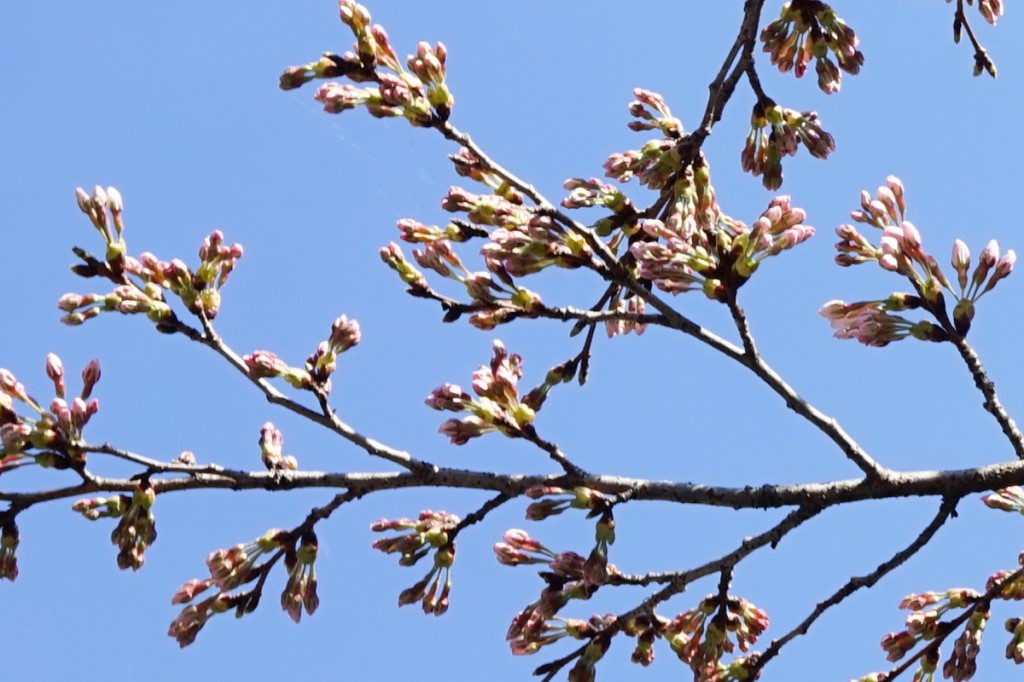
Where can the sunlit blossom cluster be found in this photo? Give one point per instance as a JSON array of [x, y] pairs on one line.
[[900, 250]]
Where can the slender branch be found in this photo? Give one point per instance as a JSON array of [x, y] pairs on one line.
[[743, 327], [616, 273], [318, 514], [992, 404], [571, 470], [723, 86], [481, 513], [947, 509], [826, 424], [328, 419], [981, 59], [724, 583], [958, 483], [565, 314]]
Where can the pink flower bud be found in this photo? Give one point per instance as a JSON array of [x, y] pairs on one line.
[[90, 376], [84, 202], [55, 370], [114, 200]]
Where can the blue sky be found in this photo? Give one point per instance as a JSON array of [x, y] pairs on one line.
[[177, 105]]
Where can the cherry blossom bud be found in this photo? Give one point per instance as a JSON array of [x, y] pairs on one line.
[[55, 370], [961, 261], [90, 376]]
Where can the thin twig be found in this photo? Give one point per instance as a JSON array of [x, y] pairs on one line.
[[328, 419], [981, 59], [992, 404], [947, 509], [481, 513]]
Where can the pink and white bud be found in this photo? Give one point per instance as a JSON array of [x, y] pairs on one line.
[[114, 200], [961, 262], [345, 334], [55, 370], [90, 377], [986, 261], [896, 186]]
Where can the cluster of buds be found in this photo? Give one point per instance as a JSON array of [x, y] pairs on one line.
[[230, 568], [991, 10], [9, 539], [497, 406], [632, 307], [596, 569], [1015, 649], [136, 526], [263, 364], [593, 192], [104, 208], [810, 29], [319, 366], [328, 66], [645, 628], [139, 283], [657, 164], [431, 531], [700, 637], [554, 500], [1006, 584], [49, 437], [518, 548], [777, 132], [652, 113], [494, 302], [720, 261], [322, 363], [532, 247], [469, 165], [271, 450], [538, 624], [900, 250], [873, 324], [925, 623], [420, 94], [299, 592], [126, 299]]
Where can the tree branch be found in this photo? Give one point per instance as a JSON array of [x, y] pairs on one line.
[[947, 509]]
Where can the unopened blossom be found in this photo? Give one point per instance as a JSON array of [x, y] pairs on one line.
[[634, 306], [232, 567], [188, 591], [300, 593], [593, 192], [193, 617], [271, 444], [652, 113], [654, 165], [776, 132], [1015, 648], [136, 527], [806, 31], [263, 363], [1010, 498], [498, 405], [345, 334], [871, 323]]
